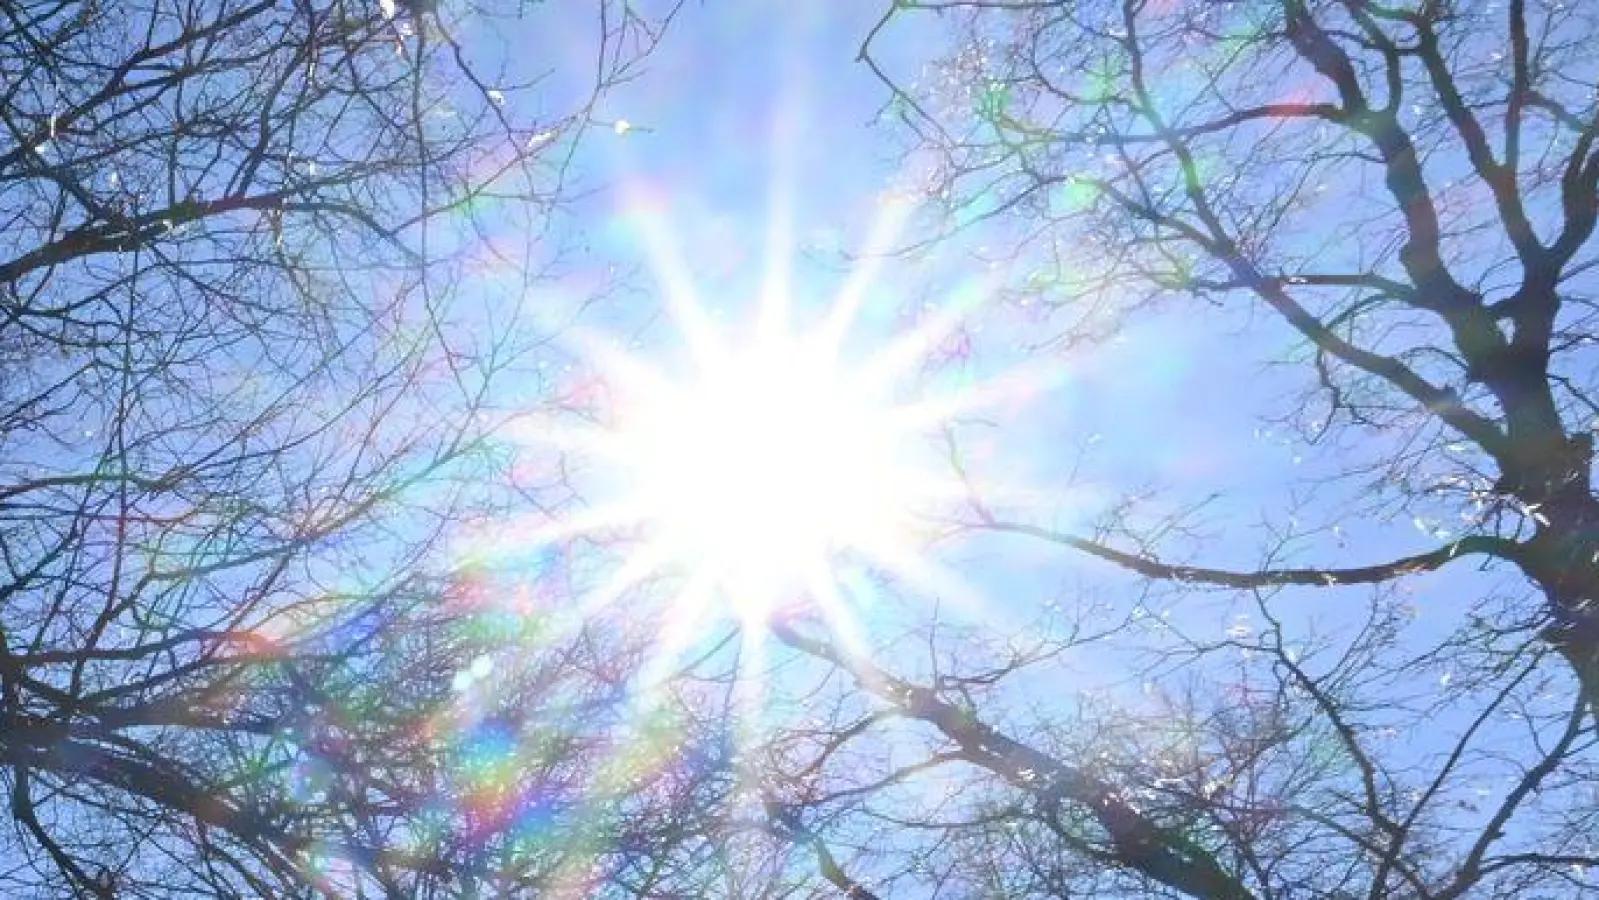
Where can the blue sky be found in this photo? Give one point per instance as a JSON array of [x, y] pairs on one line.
[[748, 159], [756, 112], [750, 142]]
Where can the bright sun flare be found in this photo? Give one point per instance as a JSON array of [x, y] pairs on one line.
[[762, 467], [769, 469]]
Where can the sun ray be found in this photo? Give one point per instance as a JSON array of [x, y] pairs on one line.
[[1008, 386], [636, 568], [749, 700], [895, 362], [887, 224], [670, 269], [836, 613], [930, 578], [515, 540], [775, 299], [681, 619], [621, 370]]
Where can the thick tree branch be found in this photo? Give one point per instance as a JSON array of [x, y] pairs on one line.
[[1154, 850], [1149, 567]]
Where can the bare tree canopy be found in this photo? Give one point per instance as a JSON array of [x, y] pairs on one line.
[[331, 569], [1406, 194], [247, 336], [1407, 188]]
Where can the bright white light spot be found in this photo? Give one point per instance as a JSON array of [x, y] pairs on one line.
[[763, 467], [771, 470], [622, 126]]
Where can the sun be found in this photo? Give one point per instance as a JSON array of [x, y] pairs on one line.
[[764, 465], [784, 453]]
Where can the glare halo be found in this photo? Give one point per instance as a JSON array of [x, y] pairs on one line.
[[764, 465]]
